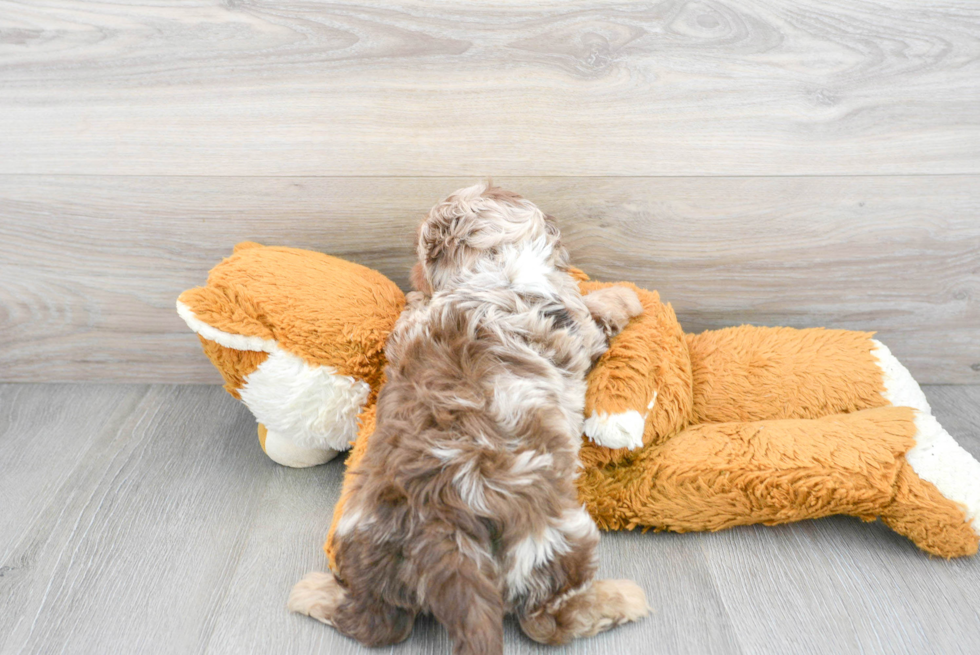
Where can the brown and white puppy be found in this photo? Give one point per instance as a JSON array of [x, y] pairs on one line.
[[464, 504]]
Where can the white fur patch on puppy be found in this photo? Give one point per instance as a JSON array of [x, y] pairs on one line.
[[622, 430], [530, 553], [529, 268], [313, 406]]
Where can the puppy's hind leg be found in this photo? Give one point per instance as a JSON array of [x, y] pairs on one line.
[[318, 595], [371, 621], [595, 608]]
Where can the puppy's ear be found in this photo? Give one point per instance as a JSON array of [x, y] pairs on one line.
[[417, 278], [444, 236], [553, 234]]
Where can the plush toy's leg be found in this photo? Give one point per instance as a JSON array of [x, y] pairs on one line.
[[750, 373], [938, 481], [283, 451], [640, 391], [936, 457], [885, 462]]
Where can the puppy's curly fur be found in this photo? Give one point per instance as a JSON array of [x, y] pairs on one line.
[[464, 504]]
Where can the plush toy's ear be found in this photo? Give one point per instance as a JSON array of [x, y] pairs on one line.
[[226, 316], [639, 392], [245, 245], [299, 338]]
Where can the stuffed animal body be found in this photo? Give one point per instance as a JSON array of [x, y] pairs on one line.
[[768, 425], [683, 432]]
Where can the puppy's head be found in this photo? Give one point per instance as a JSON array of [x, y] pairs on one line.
[[477, 224]]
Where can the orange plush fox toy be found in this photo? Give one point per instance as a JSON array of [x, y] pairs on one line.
[[683, 432]]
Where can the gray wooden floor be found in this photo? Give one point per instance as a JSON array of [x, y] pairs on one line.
[[145, 519]]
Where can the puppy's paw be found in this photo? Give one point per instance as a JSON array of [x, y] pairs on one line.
[[318, 595], [612, 308], [621, 601]]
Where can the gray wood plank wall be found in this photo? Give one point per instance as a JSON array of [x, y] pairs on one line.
[[589, 87], [765, 162]]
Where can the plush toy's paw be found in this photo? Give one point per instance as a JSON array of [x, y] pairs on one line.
[[283, 451], [622, 430], [612, 308]]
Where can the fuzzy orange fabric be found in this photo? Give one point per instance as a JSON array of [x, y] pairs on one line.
[[715, 476], [359, 447], [234, 365], [323, 309], [750, 373], [648, 363], [919, 512], [742, 425]]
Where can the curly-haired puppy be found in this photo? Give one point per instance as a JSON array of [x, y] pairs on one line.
[[464, 504]]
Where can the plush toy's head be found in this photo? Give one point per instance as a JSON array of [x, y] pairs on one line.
[[299, 337]]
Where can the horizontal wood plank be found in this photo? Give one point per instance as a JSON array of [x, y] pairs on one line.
[[293, 87], [91, 265]]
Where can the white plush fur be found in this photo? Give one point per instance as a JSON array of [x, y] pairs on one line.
[[901, 389], [622, 430], [936, 457], [226, 339], [308, 410], [283, 451], [313, 406]]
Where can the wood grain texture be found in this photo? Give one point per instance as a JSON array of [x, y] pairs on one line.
[[162, 528], [838, 585], [298, 87], [34, 466], [139, 544], [91, 265]]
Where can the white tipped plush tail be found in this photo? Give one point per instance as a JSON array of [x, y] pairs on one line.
[[901, 389], [936, 457]]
